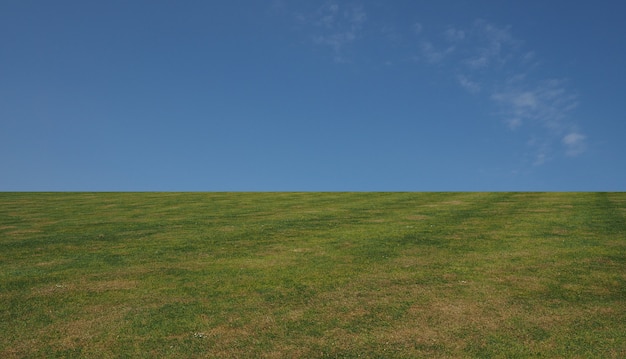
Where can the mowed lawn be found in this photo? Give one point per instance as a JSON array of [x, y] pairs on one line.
[[306, 275]]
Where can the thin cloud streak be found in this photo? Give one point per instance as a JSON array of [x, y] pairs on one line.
[[547, 105], [492, 46], [335, 26], [434, 55], [469, 85], [574, 143], [485, 59], [453, 35]]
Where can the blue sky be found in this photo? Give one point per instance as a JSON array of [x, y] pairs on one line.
[[312, 95]]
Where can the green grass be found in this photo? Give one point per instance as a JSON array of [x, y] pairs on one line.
[[287, 275]]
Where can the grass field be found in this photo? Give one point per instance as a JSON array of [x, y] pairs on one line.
[[288, 275]]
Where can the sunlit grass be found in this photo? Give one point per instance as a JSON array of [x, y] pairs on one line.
[[313, 275]]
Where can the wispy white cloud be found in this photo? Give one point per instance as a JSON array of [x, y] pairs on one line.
[[513, 122], [469, 85], [328, 15], [453, 34], [547, 106], [517, 105], [335, 25], [574, 143], [490, 45], [432, 54], [540, 150], [437, 52], [484, 57], [548, 103], [482, 46]]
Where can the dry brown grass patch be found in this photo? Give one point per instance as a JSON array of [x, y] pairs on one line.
[[418, 217]]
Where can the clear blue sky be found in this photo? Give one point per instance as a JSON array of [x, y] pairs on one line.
[[312, 95]]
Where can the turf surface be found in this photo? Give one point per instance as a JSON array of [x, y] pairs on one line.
[[183, 275]]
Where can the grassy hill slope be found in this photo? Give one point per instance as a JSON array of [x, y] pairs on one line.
[[182, 275]]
